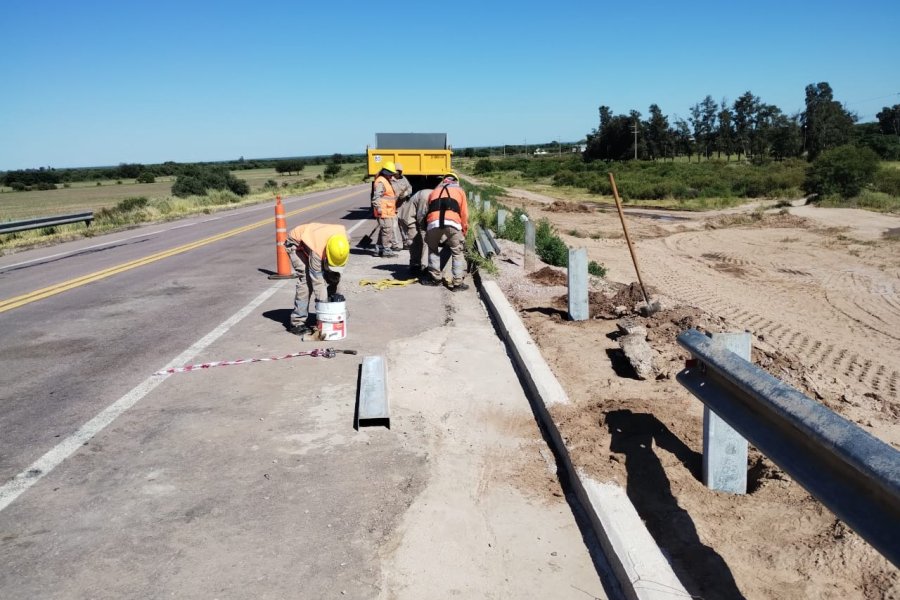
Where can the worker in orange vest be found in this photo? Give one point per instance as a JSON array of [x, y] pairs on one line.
[[319, 254], [384, 207], [447, 222]]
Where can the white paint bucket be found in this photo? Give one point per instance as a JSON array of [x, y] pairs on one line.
[[332, 320]]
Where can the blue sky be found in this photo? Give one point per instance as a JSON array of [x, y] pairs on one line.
[[101, 83]]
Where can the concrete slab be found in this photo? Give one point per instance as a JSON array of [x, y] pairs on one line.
[[642, 571]]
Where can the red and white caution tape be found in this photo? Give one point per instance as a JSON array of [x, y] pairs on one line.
[[325, 352]]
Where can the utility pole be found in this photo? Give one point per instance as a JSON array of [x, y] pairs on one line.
[[635, 138]]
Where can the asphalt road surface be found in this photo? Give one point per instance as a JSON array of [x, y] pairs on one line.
[[250, 481]]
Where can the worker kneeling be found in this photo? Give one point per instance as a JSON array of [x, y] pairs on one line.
[[319, 254], [447, 222]]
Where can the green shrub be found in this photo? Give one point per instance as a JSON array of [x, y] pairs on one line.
[[196, 180], [549, 246], [270, 184], [146, 177], [332, 170], [887, 181], [842, 171], [514, 227], [483, 166], [596, 269], [131, 204], [187, 185]]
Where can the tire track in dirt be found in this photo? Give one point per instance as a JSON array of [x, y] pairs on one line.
[[858, 297], [814, 350]]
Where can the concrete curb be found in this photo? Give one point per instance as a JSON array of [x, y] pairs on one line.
[[642, 570]]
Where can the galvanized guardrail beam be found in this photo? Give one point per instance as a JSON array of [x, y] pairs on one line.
[[37, 223], [854, 474]]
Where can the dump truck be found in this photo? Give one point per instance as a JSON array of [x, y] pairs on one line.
[[424, 156]]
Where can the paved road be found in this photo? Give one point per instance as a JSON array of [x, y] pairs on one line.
[[250, 481]]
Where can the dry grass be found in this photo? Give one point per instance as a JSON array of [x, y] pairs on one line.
[[84, 196], [162, 207]]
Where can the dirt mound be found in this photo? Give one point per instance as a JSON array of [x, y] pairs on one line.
[[559, 206], [603, 306], [757, 219], [549, 276]]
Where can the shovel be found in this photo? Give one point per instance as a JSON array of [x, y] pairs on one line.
[[649, 308], [366, 240]]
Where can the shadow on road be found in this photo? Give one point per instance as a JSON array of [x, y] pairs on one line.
[[280, 315]]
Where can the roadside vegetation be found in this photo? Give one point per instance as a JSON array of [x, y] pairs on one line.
[[122, 205], [723, 154], [549, 247]]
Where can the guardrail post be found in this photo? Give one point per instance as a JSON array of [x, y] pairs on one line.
[[578, 284], [529, 245], [486, 204], [724, 449], [501, 219]]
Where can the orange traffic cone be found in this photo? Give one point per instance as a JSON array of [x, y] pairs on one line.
[[282, 260]]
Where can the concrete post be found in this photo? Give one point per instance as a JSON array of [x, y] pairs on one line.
[[724, 450], [578, 284], [476, 200], [529, 246], [486, 205], [501, 219]]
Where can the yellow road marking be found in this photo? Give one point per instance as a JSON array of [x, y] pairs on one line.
[[58, 288]]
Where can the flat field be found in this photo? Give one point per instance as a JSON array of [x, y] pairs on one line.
[[82, 196]]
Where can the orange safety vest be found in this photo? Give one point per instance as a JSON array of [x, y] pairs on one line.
[[447, 206], [388, 200], [315, 236]]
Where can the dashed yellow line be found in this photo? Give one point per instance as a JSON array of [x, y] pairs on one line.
[[58, 288]]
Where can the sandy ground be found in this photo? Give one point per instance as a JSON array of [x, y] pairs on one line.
[[820, 291]]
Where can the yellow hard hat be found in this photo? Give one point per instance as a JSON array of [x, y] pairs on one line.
[[337, 249], [453, 175], [390, 166]]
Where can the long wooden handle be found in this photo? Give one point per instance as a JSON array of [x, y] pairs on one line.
[[612, 181]]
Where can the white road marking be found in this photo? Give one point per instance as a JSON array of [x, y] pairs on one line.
[[52, 459]]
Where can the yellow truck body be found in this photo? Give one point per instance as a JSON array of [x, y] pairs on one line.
[[421, 154], [415, 162]]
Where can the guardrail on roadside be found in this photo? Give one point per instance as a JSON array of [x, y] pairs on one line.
[[26, 224], [854, 474]]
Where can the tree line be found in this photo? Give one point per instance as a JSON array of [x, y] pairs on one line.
[[747, 128], [50, 178]]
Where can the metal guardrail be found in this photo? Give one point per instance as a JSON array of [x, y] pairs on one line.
[[852, 473], [26, 224]]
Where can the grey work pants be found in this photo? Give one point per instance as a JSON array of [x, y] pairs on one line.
[[311, 286], [415, 235], [386, 227], [451, 238]]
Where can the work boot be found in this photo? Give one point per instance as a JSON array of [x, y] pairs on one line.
[[302, 329], [459, 286], [428, 280], [387, 253]]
